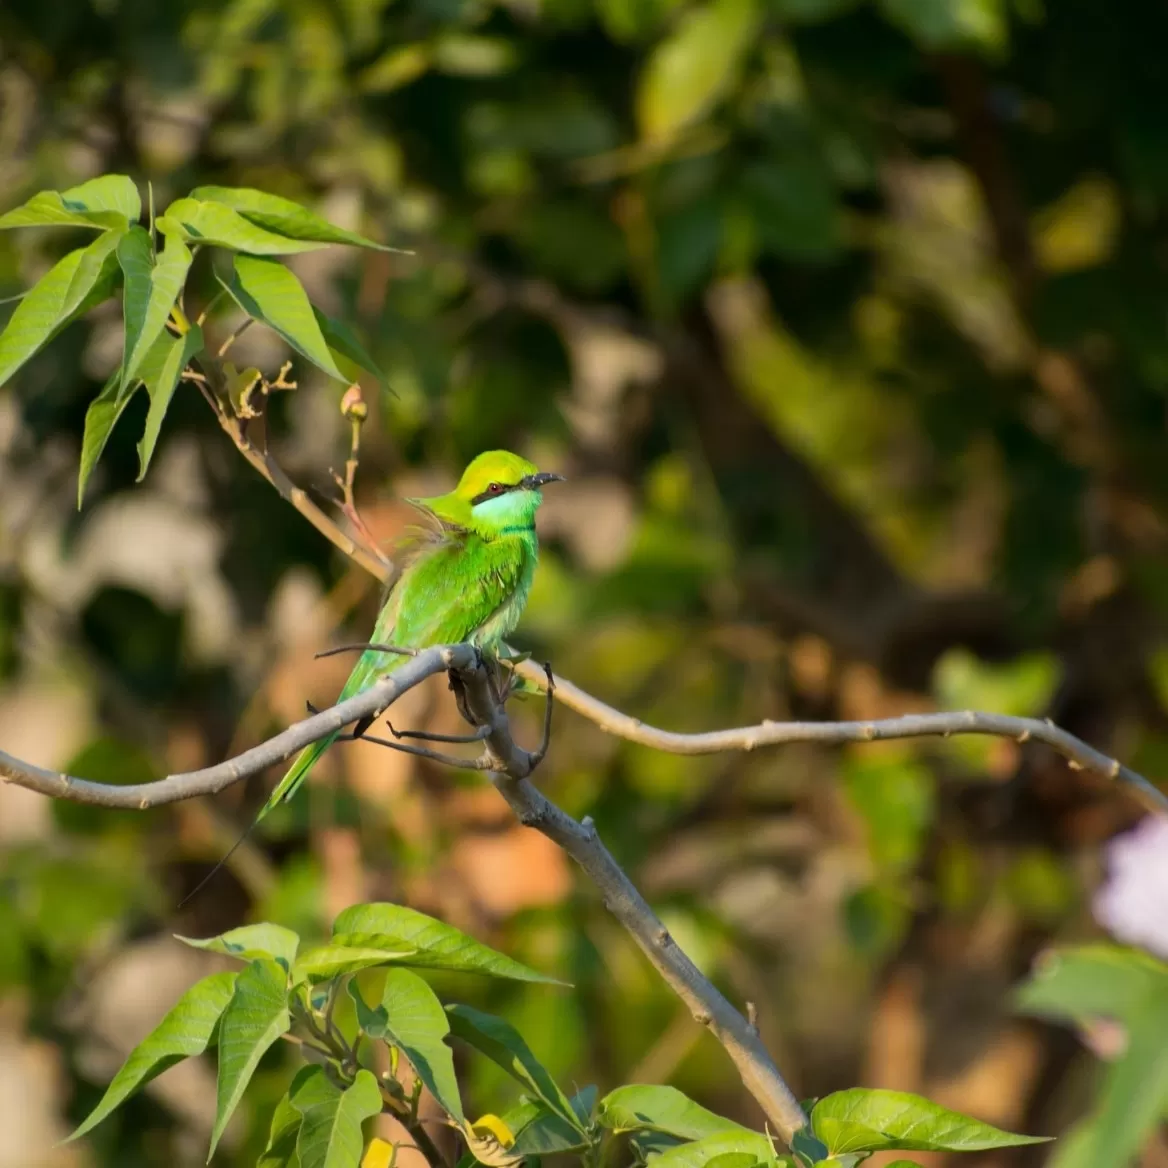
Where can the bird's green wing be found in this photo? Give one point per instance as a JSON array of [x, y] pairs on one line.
[[448, 595]]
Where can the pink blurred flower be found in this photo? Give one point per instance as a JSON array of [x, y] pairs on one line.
[[1132, 904]]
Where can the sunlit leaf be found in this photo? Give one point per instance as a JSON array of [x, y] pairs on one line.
[[100, 419], [150, 293], [412, 1018], [700, 1153], [1092, 981], [538, 1131], [280, 1150], [644, 1107], [694, 65], [268, 292], [435, 944], [255, 1018], [109, 201], [70, 288], [330, 1129], [160, 371], [249, 942], [1134, 1098], [199, 221], [343, 343], [282, 216], [504, 1045], [339, 957], [187, 1030], [863, 1119]]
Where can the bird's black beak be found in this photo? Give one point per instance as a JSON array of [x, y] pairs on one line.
[[535, 481]]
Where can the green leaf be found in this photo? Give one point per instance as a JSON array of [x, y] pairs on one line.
[[255, 1017], [343, 343], [733, 1160], [692, 67], [700, 1153], [280, 1150], [283, 216], [187, 1030], [71, 287], [100, 419], [1090, 982], [504, 1045], [161, 369], [335, 959], [436, 945], [540, 1132], [902, 1164], [250, 942], [1134, 1097], [861, 1119], [150, 293], [330, 1129], [268, 292], [201, 222], [109, 201], [641, 1107], [951, 24], [412, 1018]]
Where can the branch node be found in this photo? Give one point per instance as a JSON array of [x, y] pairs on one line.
[[1074, 764], [702, 1017], [662, 938], [1024, 737], [752, 1016], [869, 732], [1113, 770]]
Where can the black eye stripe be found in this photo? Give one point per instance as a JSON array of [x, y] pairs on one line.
[[493, 491]]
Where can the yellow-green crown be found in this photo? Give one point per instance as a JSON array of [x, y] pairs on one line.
[[492, 466]]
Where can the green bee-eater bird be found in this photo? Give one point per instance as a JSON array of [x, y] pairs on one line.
[[464, 576]]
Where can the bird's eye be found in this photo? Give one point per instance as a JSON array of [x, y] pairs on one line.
[[496, 488]]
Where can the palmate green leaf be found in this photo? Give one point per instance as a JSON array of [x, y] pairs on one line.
[[1134, 1097], [100, 419], [700, 1153], [340, 958], [268, 292], [863, 1119], [197, 221], [249, 942], [283, 216], [187, 1030], [343, 344], [694, 65], [280, 1150], [330, 1128], [412, 1018], [161, 369], [504, 1046], [151, 290], [109, 201], [1092, 981], [255, 1017], [70, 288], [435, 945], [644, 1107]]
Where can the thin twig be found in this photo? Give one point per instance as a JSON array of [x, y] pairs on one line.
[[223, 348], [361, 646], [465, 764], [748, 738], [430, 736]]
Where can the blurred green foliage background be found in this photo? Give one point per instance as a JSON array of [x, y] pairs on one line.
[[848, 322]]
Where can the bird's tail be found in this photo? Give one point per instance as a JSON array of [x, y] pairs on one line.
[[285, 789], [296, 774]]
